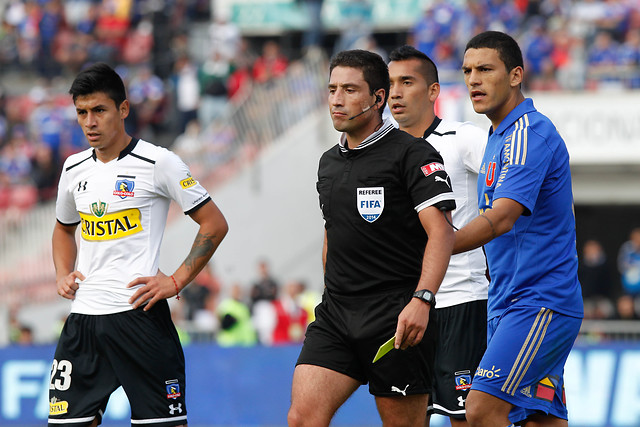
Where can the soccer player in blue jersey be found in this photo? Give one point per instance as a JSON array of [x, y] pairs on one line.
[[527, 227]]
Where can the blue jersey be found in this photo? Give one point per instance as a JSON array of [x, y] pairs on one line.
[[535, 263]]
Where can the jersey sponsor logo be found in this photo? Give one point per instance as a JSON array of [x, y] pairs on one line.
[[188, 183], [370, 202], [490, 177], [124, 188], [463, 380], [58, 407], [99, 208], [431, 168], [111, 226], [488, 373]]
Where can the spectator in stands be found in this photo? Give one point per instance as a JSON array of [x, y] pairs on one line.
[[239, 82], [138, 44], [236, 327], [263, 318], [568, 60], [112, 26], [44, 172], [47, 121], [265, 288], [595, 278], [51, 22], [262, 295], [629, 263], [291, 317], [149, 100], [212, 77], [17, 192], [629, 58], [187, 91], [626, 308], [196, 294], [356, 24], [224, 35], [26, 19], [602, 59], [314, 33], [25, 337], [309, 299], [424, 34], [504, 16], [205, 323], [537, 50], [272, 64]]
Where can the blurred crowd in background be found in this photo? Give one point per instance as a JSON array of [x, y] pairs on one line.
[[571, 45]]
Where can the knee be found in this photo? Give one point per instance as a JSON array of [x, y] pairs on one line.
[[485, 410], [474, 413], [294, 418]]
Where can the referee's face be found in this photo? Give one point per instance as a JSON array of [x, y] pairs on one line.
[[350, 101]]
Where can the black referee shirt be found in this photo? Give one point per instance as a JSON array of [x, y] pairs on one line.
[[368, 197]]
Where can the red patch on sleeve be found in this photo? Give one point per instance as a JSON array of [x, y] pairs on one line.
[[431, 168]]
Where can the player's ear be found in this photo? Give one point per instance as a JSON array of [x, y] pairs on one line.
[[516, 76], [434, 91], [124, 109]]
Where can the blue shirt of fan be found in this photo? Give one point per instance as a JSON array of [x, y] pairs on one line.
[[536, 262]]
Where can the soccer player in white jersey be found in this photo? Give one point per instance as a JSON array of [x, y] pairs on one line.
[[119, 331], [462, 297]]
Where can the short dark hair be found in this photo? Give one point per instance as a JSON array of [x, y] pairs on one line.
[[99, 77], [374, 69], [508, 50], [428, 67]]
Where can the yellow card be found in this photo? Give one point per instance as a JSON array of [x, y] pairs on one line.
[[384, 349]]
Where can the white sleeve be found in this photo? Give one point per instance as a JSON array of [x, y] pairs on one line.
[[174, 180], [66, 210], [473, 141]]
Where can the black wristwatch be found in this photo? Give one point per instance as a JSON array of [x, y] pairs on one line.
[[426, 296]]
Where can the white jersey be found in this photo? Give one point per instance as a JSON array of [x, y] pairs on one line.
[[461, 146], [122, 208]]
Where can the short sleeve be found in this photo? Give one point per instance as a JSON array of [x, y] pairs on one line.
[[66, 211], [525, 162], [174, 180], [427, 181]]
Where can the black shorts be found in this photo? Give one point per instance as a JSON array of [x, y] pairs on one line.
[[136, 349], [463, 332], [347, 333]]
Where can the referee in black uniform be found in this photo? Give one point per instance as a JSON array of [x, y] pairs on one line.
[[384, 196]]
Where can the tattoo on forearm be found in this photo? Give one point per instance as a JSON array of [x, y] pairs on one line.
[[493, 230], [203, 246]]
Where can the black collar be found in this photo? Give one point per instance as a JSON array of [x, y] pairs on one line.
[[431, 128], [128, 149]]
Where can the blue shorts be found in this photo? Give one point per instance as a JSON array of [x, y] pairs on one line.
[[524, 361]]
